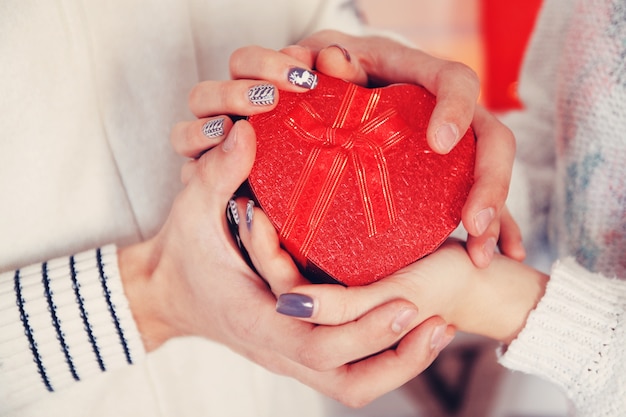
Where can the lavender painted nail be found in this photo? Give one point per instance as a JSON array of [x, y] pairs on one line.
[[295, 305], [302, 78], [261, 95]]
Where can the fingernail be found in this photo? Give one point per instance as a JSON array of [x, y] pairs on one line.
[[403, 319], [232, 214], [231, 140], [440, 339], [345, 52], [261, 95], [295, 305], [482, 219], [249, 214], [446, 136], [489, 247], [302, 78], [213, 128]]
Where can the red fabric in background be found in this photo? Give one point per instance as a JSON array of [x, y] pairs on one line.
[[506, 27]]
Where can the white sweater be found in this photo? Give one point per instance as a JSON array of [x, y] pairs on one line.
[[572, 150], [90, 91]]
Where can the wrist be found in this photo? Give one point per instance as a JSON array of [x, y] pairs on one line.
[[504, 295], [137, 266]]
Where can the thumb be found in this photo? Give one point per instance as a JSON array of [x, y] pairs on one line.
[[224, 168]]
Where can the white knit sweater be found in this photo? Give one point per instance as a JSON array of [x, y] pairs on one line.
[[572, 150]]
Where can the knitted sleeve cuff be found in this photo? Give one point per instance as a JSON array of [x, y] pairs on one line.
[[62, 321], [573, 331]]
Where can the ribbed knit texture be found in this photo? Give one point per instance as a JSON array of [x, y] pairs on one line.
[[576, 339], [62, 321]]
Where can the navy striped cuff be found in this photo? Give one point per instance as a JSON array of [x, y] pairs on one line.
[[62, 321]]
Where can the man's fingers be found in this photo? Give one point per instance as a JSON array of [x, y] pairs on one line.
[[511, 237], [224, 168], [495, 151]]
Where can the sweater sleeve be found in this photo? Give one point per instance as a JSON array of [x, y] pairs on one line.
[[63, 321], [575, 338]]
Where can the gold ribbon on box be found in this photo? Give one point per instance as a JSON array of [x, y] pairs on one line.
[[355, 135]]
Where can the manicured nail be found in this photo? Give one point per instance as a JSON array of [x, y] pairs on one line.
[[482, 219], [249, 214], [439, 339], [302, 78], [489, 248], [231, 139], [232, 214], [213, 128], [295, 305], [446, 136], [403, 319], [343, 50], [261, 95]]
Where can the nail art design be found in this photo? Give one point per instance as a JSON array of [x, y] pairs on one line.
[[345, 52], [261, 95], [302, 78], [213, 128], [249, 213], [232, 216], [295, 305], [232, 213]]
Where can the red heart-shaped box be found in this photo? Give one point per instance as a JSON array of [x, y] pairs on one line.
[[346, 176]]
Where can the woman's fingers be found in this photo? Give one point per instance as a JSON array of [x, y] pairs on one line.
[[290, 72], [394, 367], [260, 240], [241, 97], [223, 169], [327, 347], [191, 139]]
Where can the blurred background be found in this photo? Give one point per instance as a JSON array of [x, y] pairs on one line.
[[490, 36]]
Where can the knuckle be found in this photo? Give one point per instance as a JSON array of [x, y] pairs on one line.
[[175, 135], [237, 58], [313, 359], [459, 71], [240, 59], [195, 98], [353, 398]]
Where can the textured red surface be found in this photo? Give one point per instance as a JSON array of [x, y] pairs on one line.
[[347, 178]]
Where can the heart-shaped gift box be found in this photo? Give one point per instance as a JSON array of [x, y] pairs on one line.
[[346, 176]]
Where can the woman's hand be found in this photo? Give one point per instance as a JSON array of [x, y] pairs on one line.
[[191, 280], [492, 301]]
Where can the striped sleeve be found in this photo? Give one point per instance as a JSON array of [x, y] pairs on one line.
[[62, 321]]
